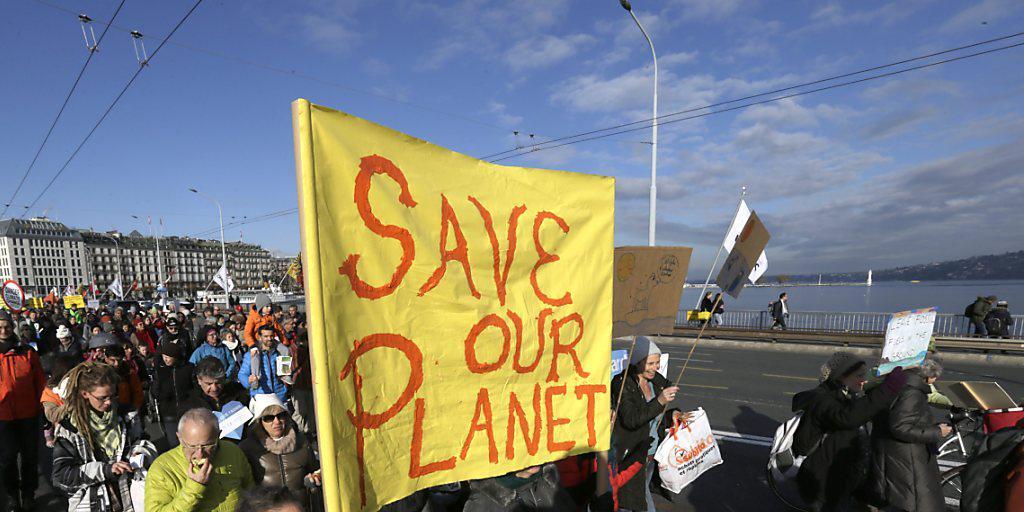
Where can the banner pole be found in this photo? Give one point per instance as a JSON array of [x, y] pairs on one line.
[[711, 271], [692, 349], [625, 375]]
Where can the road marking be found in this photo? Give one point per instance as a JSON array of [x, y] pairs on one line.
[[736, 437], [703, 386], [794, 377], [789, 393], [698, 369]]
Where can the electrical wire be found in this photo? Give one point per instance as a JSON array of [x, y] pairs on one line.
[[258, 218], [649, 121], [528, 150], [111, 107], [92, 51], [306, 76]]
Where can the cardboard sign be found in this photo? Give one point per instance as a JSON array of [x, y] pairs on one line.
[[93, 304], [620, 359], [648, 285], [13, 296], [74, 301], [232, 418], [744, 255], [460, 312], [906, 339], [284, 365]]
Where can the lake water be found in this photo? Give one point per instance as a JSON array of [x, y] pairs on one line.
[[885, 297]]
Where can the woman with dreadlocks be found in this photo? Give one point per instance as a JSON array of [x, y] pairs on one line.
[[94, 444]]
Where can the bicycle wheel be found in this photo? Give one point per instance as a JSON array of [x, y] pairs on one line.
[[952, 487]]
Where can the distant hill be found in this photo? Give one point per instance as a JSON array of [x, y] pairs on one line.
[[993, 266]]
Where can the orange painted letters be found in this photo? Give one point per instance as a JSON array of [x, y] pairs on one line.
[[544, 257], [460, 253]]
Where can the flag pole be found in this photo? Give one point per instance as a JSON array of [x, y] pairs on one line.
[[704, 289]]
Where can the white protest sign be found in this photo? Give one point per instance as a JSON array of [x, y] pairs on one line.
[[232, 419], [906, 339]]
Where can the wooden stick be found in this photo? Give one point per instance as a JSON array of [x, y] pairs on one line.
[[686, 363], [625, 375]]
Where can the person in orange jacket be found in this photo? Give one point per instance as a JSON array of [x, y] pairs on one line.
[[21, 385], [260, 314]]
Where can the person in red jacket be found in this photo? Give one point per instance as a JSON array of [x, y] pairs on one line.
[[21, 385]]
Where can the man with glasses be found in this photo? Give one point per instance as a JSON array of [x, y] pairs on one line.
[[175, 334], [204, 474], [21, 384], [212, 387]]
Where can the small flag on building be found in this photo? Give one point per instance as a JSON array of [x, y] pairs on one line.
[[115, 288]]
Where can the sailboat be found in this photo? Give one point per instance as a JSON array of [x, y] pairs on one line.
[[869, 278]]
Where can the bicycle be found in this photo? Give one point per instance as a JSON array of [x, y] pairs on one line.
[[954, 451]]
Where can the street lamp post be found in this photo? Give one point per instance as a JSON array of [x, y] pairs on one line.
[[654, 130], [220, 217], [117, 252], [159, 263]]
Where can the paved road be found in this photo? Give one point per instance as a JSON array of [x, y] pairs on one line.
[[750, 392]]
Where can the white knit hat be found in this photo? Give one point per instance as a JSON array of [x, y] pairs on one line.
[[63, 331], [260, 403], [644, 348]]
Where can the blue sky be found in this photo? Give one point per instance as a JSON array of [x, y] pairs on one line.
[[925, 166]]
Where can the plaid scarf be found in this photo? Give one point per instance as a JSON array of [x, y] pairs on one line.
[[106, 432]]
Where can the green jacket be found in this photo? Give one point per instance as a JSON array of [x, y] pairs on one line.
[[169, 489]]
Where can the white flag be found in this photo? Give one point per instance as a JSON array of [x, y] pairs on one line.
[[115, 288], [68, 290], [224, 280], [742, 214]]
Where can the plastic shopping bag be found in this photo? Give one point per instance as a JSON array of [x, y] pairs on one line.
[[687, 452]]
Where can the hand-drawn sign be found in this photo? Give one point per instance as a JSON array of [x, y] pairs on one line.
[[906, 339], [648, 285], [13, 296], [744, 256], [459, 313]]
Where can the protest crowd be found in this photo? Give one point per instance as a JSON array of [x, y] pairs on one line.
[[116, 408]]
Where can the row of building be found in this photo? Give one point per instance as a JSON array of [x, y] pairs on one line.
[[42, 254]]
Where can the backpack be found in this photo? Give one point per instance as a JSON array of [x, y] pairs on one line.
[[994, 325], [784, 464], [969, 310]]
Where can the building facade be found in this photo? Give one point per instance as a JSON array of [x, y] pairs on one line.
[[41, 254]]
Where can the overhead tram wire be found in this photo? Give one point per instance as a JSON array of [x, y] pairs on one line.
[[528, 150], [92, 51], [647, 122], [142, 66], [258, 218], [304, 76]]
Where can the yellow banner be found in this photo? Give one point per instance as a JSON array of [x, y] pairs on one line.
[[74, 301], [460, 312]]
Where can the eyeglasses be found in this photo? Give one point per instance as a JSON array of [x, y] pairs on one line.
[[283, 416], [104, 399], [204, 447]]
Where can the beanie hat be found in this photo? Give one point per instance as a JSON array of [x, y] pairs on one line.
[[838, 365], [644, 348], [171, 350], [63, 331], [172, 321], [262, 301], [102, 340], [261, 402]]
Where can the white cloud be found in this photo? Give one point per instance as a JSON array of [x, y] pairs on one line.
[[706, 9], [673, 59], [328, 33], [789, 112], [500, 111], [978, 12], [835, 14], [544, 50]]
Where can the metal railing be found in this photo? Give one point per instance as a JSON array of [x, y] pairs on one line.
[[946, 324]]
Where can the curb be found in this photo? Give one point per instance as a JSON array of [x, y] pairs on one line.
[[996, 359]]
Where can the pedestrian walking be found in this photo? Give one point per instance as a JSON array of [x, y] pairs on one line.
[[21, 385], [212, 347], [269, 499], [204, 474], [999, 320], [302, 385], [259, 367], [780, 310], [212, 388], [977, 312], [280, 455], [644, 397], [94, 443], [172, 388], [905, 437], [716, 315], [832, 434], [534, 489]]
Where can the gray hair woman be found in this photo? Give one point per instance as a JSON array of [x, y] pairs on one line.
[[905, 471]]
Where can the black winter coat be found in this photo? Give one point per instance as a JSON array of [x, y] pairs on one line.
[[904, 469], [1005, 320], [777, 312], [633, 428], [838, 466], [980, 309], [172, 386]]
